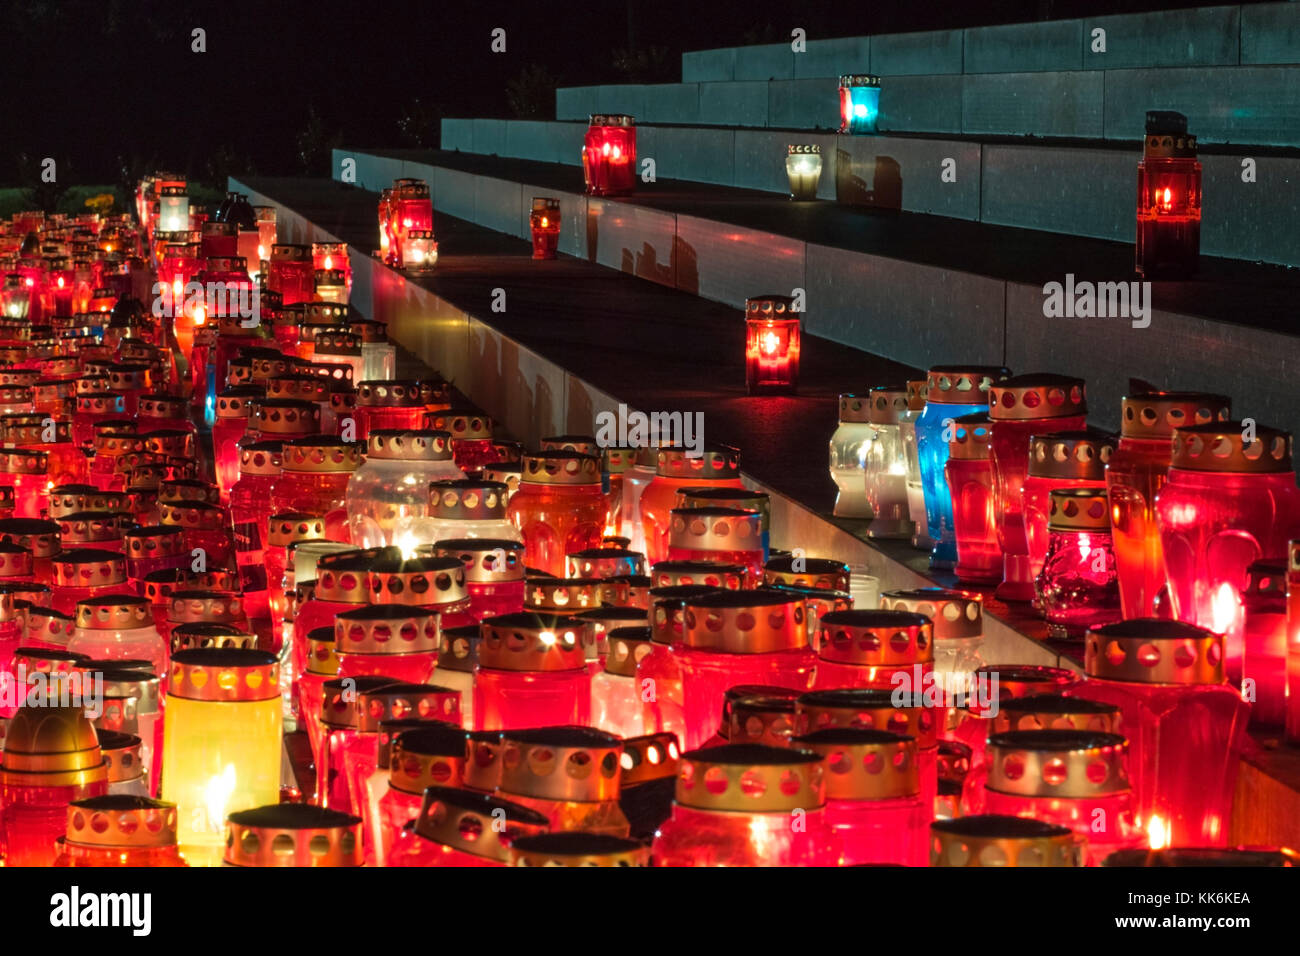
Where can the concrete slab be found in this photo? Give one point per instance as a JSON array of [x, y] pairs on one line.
[[490, 137], [719, 262], [834, 57], [769, 61], [921, 104], [908, 54], [632, 239], [1024, 47], [733, 104], [576, 102], [1208, 36], [1253, 221], [709, 66], [902, 173], [1081, 192], [458, 134], [1270, 33], [1041, 104], [703, 155], [670, 103], [804, 104], [497, 204], [621, 99]]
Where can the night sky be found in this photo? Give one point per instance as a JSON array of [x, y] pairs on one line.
[[112, 90]]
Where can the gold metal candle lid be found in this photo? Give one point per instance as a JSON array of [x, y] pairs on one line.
[[916, 392], [1035, 396], [486, 560], [344, 576], [649, 757], [746, 622], [196, 606], [812, 573], [189, 489], [751, 778], [529, 641], [429, 581], [610, 618], [321, 454], [562, 594], [962, 384], [603, 563], [668, 609], [1222, 447], [876, 638], [237, 401], [49, 626], [192, 515], [89, 568], [887, 404], [742, 498], [224, 674], [114, 612], [992, 840], [341, 698], [713, 575], [865, 764], [1201, 857], [423, 702], [715, 463], [293, 834], [1022, 680], [23, 461], [458, 648], [1055, 712], [854, 409], [121, 755], [321, 657], [578, 848], [261, 458], [1075, 455], [583, 444], [715, 529], [954, 614], [198, 634], [560, 468], [758, 718], [472, 822], [15, 562], [120, 822], [1078, 509], [51, 746], [865, 708], [1155, 415], [468, 499], [1065, 764], [389, 394], [291, 527], [403, 445], [299, 386], [567, 763], [1151, 651], [386, 629], [627, 646], [284, 416], [428, 756]]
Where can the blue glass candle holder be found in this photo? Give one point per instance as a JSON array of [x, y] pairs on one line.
[[859, 103]]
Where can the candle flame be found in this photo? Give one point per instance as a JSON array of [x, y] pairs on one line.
[[545, 222], [1224, 608], [1169, 196], [408, 543], [329, 262], [217, 794], [1157, 833], [770, 342], [60, 281], [177, 287], [200, 314]]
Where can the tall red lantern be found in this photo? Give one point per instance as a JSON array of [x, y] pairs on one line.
[[609, 155], [1078, 586], [1168, 199], [1060, 460], [544, 225], [559, 507], [772, 344], [969, 477]]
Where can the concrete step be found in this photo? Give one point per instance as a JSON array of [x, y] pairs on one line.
[[1246, 35], [1083, 189], [920, 290]]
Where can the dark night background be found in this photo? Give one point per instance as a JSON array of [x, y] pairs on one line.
[[111, 89]]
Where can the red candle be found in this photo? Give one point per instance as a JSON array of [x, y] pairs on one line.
[[1060, 460], [463, 828], [544, 226], [1078, 587], [772, 345], [615, 693], [659, 673], [1168, 199], [494, 573], [426, 756], [609, 155], [559, 507], [532, 671], [290, 273], [534, 770], [716, 466], [867, 648], [471, 437], [723, 535]]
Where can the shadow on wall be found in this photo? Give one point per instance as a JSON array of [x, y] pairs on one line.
[[883, 191], [580, 416]]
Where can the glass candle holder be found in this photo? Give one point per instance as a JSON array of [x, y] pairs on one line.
[[1263, 679], [722, 817], [432, 755], [997, 840], [457, 661], [859, 103], [526, 767], [544, 226], [1167, 677], [1293, 642], [739, 637], [1137, 471], [1060, 460], [1168, 199], [27, 471], [911, 456], [292, 834], [874, 648], [741, 498], [332, 257], [388, 498], [192, 606], [756, 714], [957, 623], [387, 640], [389, 405], [1078, 587], [51, 758], [609, 155], [884, 464], [1020, 407], [88, 573], [470, 508], [1228, 503], [658, 673], [206, 531], [873, 796], [123, 830], [471, 434], [772, 345], [314, 479], [969, 477], [457, 827], [132, 704], [494, 573], [559, 507], [281, 419], [290, 273], [233, 409], [118, 627], [221, 742], [993, 686], [378, 355], [716, 534], [718, 466], [532, 671], [332, 724], [803, 167], [411, 209], [615, 695]]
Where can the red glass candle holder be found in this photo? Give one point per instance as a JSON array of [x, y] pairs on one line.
[[997, 840], [332, 257], [1228, 502], [1078, 586], [458, 827], [419, 758], [342, 584], [716, 466], [1137, 471], [411, 209], [544, 226], [1060, 460], [723, 535], [559, 507], [609, 155], [531, 672], [521, 766], [1293, 642], [1168, 199], [206, 528], [293, 834], [992, 686], [721, 815], [1264, 665], [1167, 677], [1020, 407], [388, 405], [772, 344], [615, 695], [281, 419], [739, 637], [870, 648], [494, 573], [335, 715], [118, 627], [120, 830], [88, 573], [659, 673], [387, 640], [969, 477], [314, 477], [290, 273]]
